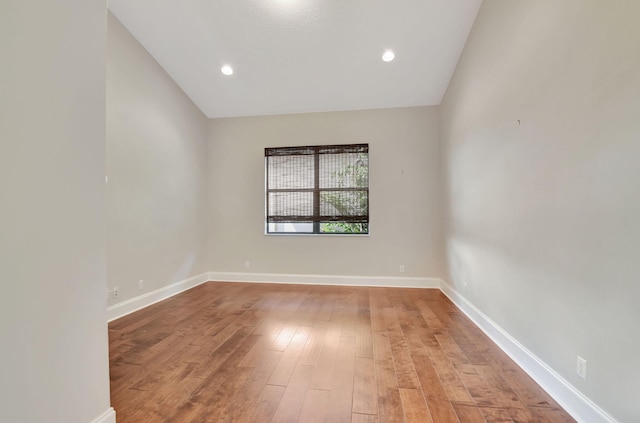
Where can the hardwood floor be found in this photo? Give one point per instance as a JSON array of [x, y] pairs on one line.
[[233, 352]]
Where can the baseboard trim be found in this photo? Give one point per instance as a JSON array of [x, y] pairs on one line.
[[119, 310], [573, 401], [108, 416], [372, 281]]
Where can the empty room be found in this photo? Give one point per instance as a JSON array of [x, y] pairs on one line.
[[320, 211]]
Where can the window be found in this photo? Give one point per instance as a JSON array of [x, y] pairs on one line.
[[317, 189]]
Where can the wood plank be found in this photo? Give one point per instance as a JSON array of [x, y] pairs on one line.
[[481, 393], [429, 381], [525, 387], [454, 389], [442, 411], [524, 415], [253, 387], [504, 396], [269, 330], [469, 349], [315, 406], [451, 349], [311, 351], [326, 362], [281, 342], [293, 398], [364, 344], [468, 413], [364, 418], [220, 350], [308, 310], [389, 403], [405, 373], [365, 394], [495, 415], [220, 387], [417, 333], [326, 310], [414, 406], [553, 415], [345, 310], [341, 394], [377, 303], [266, 405], [434, 323], [289, 360]]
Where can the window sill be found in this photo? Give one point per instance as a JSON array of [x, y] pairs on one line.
[[330, 235]]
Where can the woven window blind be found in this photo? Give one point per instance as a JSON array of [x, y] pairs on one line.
[[318, 185]]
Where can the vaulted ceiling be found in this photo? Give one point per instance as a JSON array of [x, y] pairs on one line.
[[292, 56]]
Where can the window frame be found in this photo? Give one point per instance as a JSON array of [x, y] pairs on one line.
[[317, 219]]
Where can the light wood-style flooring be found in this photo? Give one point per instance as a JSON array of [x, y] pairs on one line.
[[235, 352]]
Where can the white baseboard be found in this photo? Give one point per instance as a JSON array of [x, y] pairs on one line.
[[573, 401], [134, 304], [380, 281], [108, 416]]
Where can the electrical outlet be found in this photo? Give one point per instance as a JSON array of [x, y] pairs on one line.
[[581, 368], [247, 264], [140, 284], [114, 291], [402, 268]]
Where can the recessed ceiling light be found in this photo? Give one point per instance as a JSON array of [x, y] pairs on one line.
[[227, 70], [388, 56]]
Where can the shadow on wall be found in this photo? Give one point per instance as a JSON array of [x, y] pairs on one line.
[[186, 269]]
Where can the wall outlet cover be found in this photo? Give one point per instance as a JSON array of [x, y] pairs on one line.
[[581, 368]]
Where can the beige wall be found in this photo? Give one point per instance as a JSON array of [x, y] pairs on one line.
[[53, 324], [541, 145], [404, 202], [156, 143]]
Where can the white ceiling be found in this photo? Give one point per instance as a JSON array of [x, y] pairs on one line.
[[292, 56]]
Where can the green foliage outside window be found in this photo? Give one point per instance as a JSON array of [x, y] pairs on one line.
[[355, 203]]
